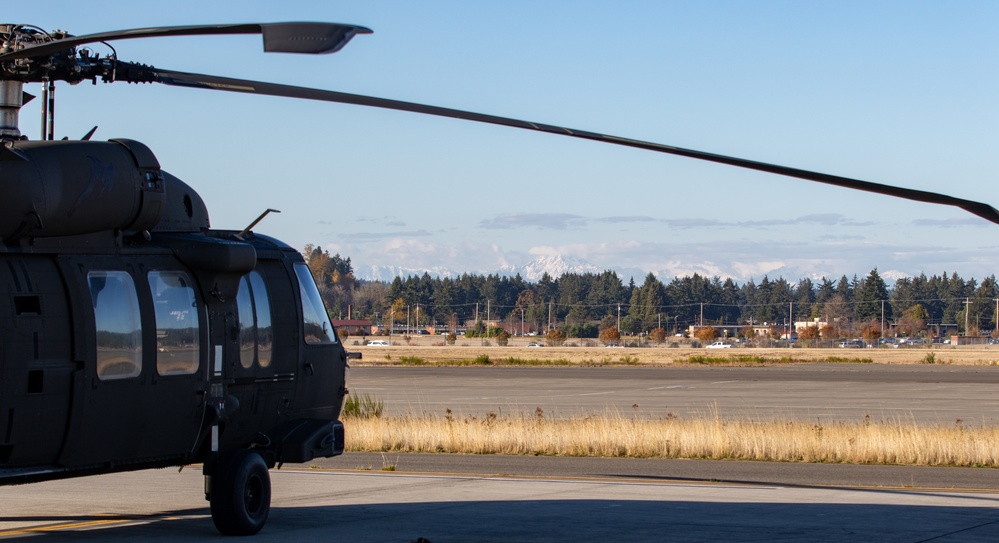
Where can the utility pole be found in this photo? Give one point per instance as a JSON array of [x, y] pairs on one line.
[[996, 318], [967, 307], [790, 318], [619, 318], [702, 315], [882, 319]]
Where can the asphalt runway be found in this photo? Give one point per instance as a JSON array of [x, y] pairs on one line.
[[927, 394], [466, 498], [358, 506]]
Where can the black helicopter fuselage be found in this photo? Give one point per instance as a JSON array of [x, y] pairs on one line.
[[134, 336]]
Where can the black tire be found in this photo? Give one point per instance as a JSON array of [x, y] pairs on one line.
[[240, 493]]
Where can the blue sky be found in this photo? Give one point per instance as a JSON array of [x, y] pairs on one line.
[[900, 93]]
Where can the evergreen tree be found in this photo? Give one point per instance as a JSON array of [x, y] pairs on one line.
[[823, 293], [781, 297], [985, 306], [647, 302], [764, 310], [873, 291], [953, 291], [804, 299], [844, 288], [731, 302], [592, 297]]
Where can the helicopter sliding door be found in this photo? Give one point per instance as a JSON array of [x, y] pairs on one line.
[[263, 378], [141, 333], [36, 364]]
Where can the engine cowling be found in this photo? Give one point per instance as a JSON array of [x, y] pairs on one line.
[[65, 188]]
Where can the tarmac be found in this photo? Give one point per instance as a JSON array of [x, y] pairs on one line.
[[383, 506]]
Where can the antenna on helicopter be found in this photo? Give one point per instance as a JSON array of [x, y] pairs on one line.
[[254, 223]]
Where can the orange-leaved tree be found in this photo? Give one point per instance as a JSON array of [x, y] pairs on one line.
[[706, 333], [610, 335]]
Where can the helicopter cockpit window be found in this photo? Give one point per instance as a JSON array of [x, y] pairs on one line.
[[317, 323], [119, 326], [256, 336], [177, 330], [265, 333]]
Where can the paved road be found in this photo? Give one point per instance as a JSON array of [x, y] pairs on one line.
[[319, 505], [676, 470], [827, 392]]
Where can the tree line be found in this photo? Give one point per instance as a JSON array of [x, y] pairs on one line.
[[602, 300]]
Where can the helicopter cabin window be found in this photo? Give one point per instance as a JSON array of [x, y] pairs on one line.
[[256, 335], [119, 326], [317, 323], [177, 330]]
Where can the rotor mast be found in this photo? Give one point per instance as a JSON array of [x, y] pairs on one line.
[[11, 100], [14, 75], [48, 109]]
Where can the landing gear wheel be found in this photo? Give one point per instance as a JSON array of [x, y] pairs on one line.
[[240, 493]]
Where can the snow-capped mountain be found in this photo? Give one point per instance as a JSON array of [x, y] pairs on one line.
[[387, 274], [554, 266], [557, 265]]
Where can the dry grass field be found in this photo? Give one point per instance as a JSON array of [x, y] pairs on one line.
[[615, 434], [430, 350]]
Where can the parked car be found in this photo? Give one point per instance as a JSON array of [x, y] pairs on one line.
[[719, 345], [378, 343], [535, 345]]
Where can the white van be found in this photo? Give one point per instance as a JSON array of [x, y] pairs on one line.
[[378, 343]]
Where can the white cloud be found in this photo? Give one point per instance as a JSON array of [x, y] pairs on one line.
[[542, 221], [960, 222], [739, 259]]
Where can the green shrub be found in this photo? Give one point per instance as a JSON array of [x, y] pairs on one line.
[[362, 407]]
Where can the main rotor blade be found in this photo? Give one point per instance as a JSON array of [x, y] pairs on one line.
[[304, 37], [182, 79]]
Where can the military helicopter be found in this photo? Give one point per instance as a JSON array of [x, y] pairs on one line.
[[133, 335]]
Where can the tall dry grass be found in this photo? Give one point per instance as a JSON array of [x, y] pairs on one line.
[[616, 435], [474, 354]]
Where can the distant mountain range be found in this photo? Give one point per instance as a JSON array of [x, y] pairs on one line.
[[555, 266], [532, 271]]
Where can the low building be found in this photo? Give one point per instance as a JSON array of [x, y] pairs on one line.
[[354, 327]]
